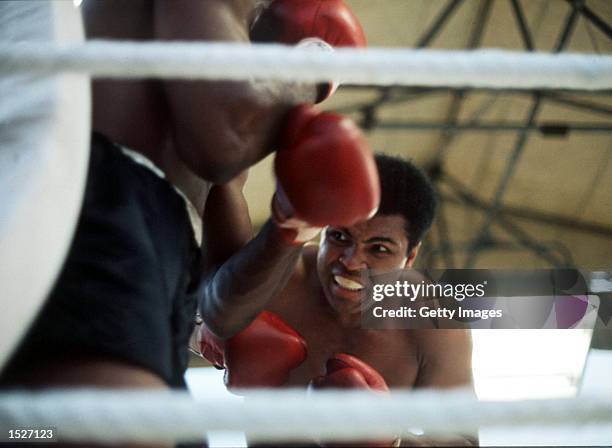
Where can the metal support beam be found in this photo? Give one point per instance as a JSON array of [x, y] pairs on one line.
[[448, 134], [570, 23], [370, 111], [586, 92], [525, 240], [548, 129], [540, 249], [496, 214], [397, 95], [588, 106], [435, 28], [592, 17], [537, 216], [454, 109], [516, 153], [522, 23], [522, 237], [429, 257]]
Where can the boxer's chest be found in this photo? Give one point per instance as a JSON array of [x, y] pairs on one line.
[[393, 353]]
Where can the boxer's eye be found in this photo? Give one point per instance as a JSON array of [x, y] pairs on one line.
[[379, 249], [337, 236]]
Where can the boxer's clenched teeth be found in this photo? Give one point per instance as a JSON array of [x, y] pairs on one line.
[[347, 283]]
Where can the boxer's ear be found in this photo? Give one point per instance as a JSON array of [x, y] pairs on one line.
[[412, 256]]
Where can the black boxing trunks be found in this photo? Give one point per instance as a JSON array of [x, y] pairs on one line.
[[127, 290]]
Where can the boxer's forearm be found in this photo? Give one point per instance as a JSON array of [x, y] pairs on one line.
[[221, 128], [243, 130], [235, 293]]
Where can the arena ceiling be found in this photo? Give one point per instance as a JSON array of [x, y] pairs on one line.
[[524, 176]]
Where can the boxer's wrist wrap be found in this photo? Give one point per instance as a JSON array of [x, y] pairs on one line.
[[288, 229], [324, 89], [315, 43]]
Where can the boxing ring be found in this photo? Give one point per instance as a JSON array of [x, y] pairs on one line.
[[495, 69], [290, 415], [62, 65], [594, 380]]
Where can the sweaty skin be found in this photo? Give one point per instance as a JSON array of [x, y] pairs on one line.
[[327, 315]]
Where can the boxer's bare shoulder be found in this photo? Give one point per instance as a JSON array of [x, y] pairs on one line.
[[300, 302], [445, 358], [303, 306], [301, 286], [405, 358]]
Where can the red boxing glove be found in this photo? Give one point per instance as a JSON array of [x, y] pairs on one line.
[[262, 355], [293, 231], [330, 22], [325, 170], [344, 371]]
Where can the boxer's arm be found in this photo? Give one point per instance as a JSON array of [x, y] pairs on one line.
[[314, 145], [242, 273], [223, 127], [446, 359], [445, 362], [100, 373], [227, 223]]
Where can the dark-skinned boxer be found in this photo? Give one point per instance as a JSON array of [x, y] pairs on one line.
[[310, 333]]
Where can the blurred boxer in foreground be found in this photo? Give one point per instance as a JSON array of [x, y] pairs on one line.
[[166, 162]]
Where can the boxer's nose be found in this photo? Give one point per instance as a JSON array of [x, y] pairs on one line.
[[353, 259]]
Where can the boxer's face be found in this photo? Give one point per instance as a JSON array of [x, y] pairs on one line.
[[379, 244]]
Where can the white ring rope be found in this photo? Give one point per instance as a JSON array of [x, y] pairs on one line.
[[374, 66], [146, 416]]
